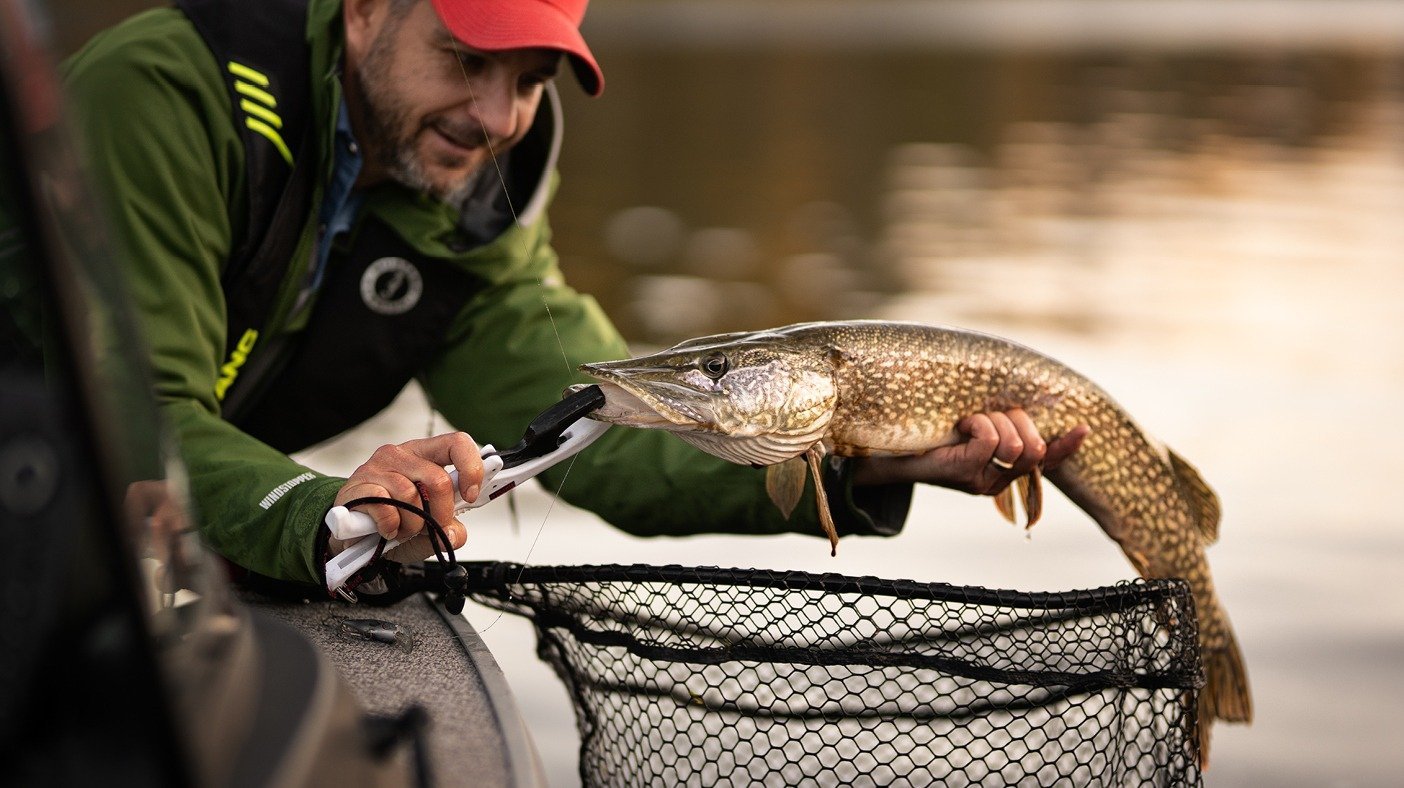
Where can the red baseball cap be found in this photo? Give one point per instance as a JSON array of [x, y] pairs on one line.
[[493, 25]]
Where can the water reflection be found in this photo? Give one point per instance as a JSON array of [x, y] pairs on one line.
[[839, 190]]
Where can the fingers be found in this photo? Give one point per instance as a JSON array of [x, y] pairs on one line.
[[414, 550], [996, 449], [1003, 446], [387, 518], [983, 441], [407, 470], [468, 461], [1022, 441], [458, 450], [1063, 446], [420, 547]]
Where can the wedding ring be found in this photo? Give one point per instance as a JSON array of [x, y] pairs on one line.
[[1001, 464]]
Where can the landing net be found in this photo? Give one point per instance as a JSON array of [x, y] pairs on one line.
[[706, 676]]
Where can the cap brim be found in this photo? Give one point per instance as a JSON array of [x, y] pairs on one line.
[[495, 25]]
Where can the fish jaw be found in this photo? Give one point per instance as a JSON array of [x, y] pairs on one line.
[[623, 408], [626, 409], [743, 399]]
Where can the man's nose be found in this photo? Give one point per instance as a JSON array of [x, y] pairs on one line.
[[494, 101]]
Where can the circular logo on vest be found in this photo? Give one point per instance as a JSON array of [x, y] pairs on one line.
[[391, 286]]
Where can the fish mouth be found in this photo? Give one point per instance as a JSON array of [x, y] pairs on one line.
[[630, 405]]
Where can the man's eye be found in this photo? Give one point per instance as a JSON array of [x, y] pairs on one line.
[[531, 82], [470, 62]]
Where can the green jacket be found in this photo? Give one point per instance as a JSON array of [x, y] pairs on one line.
[[158, 132]]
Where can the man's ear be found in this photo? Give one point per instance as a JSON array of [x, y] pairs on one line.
[[364, 20]]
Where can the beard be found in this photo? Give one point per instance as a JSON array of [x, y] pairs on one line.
[[392, 135]]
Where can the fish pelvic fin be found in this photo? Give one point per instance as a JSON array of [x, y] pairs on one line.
[[1225, 696], [821, 498], [1030, 496], [1004, 502], [1201, 497], [1031, 493], [784, 482]]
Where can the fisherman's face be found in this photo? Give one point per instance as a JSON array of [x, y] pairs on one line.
[[428, 111]]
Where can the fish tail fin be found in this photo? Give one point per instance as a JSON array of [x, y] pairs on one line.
[[1227, 683], [1225, 695], [1206, 727]]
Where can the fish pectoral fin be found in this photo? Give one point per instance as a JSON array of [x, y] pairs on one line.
[[1201, 497], [785, 484], [1031, 493], [1004, 502], [821, 498]]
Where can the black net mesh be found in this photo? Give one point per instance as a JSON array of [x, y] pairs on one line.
[[704, 676]]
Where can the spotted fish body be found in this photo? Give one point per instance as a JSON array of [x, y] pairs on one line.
[[869, 388]]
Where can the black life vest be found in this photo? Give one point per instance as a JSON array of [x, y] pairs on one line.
[[382, 310]]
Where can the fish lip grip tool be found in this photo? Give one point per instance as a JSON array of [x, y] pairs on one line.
[[559, 433]]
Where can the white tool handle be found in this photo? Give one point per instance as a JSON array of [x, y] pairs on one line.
[[346, 524], [345, 563]]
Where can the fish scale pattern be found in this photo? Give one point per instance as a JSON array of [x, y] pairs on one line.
[[731, 677]]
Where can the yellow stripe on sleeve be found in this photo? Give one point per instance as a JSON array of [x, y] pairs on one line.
[[244, 72], [256, 94], [273, 137], [263, 113]]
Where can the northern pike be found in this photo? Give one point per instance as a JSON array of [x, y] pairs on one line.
[[786, 397]]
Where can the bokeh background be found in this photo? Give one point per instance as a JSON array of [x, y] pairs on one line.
[[1198, 204]]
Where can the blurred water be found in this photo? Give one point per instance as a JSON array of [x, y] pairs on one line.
[[1213, 235]]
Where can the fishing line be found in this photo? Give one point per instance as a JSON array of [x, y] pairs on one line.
[[501, 179], [550, 507], [526, 252]]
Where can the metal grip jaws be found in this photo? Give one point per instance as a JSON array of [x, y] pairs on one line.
[[543, 434]]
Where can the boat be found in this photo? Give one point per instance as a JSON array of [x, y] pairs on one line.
[[130, 658]]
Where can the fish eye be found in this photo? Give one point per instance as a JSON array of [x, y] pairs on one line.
[[715, 365]]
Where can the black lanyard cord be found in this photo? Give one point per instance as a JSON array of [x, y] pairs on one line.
[[455, 577]]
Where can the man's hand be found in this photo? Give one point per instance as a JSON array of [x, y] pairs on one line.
[[996, 448], [399, 472]]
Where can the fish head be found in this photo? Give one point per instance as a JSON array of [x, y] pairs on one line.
[[751, 398]]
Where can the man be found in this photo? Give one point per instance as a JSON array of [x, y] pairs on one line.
[[422, 250]]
